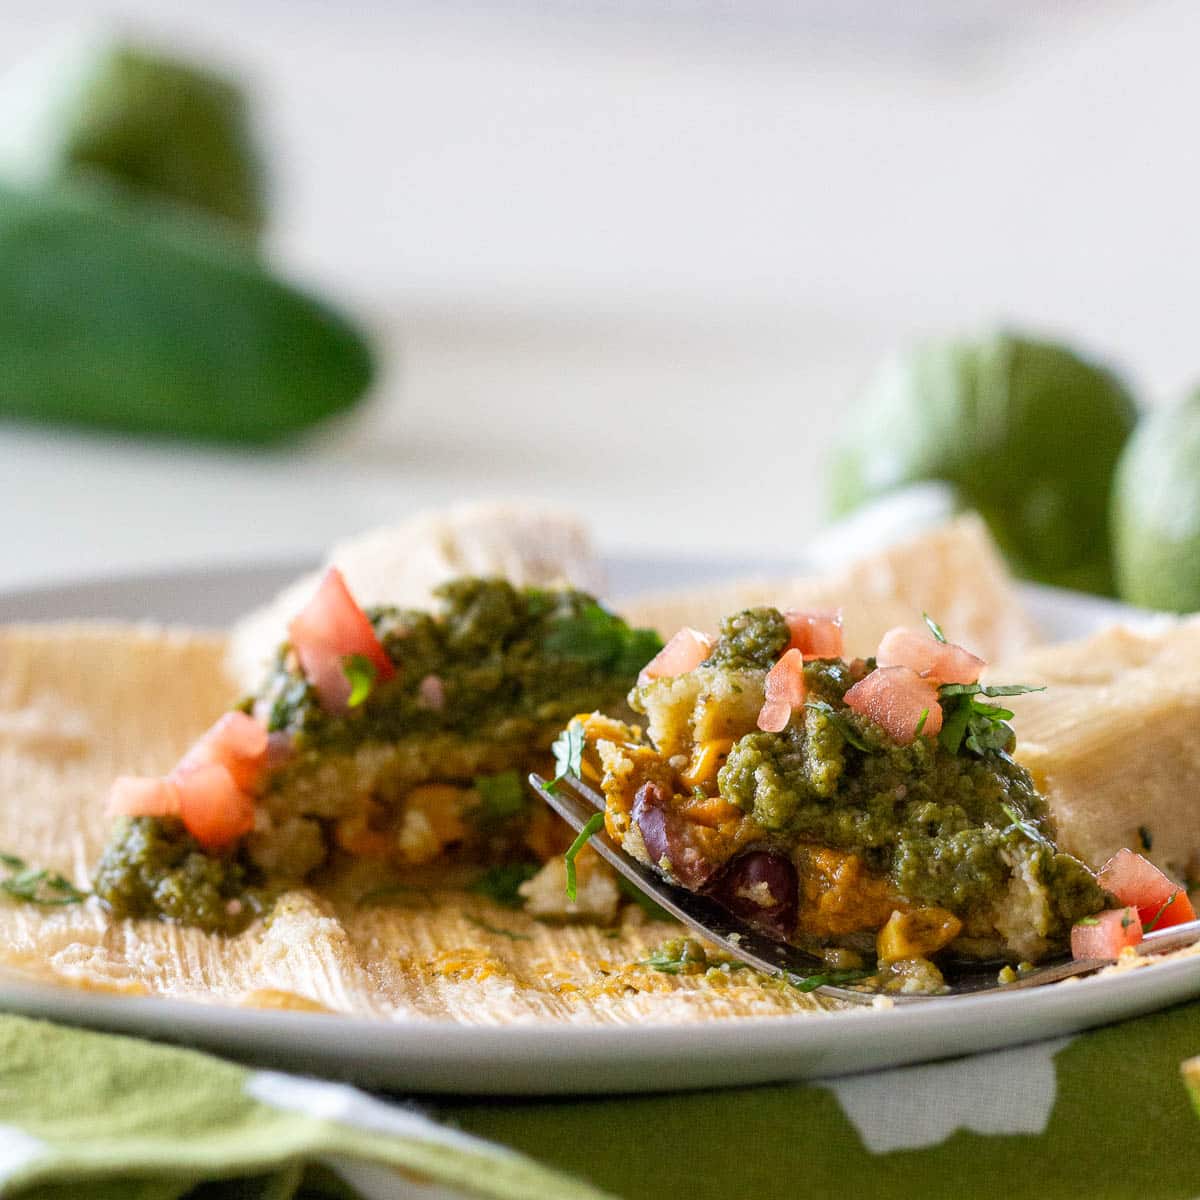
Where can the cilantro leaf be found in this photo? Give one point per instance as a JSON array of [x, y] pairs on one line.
[[838, 978], [680, 956], [1150, 925], [934, 628], [992, 690], [968, 721], [361, 675], [1027, 827], [503, 883], [36, 885], [955, 719], [568, 752], [594, 824], [921, 723], [601, 638]]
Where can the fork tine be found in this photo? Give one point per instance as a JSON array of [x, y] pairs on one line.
[[576, 803]]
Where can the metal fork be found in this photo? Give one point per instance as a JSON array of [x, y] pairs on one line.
[[576, 802]]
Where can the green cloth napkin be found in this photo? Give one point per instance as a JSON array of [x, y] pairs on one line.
[[89, 1116], [1103, 1115]]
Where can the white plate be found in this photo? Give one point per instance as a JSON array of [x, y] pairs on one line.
[[535, 1058]]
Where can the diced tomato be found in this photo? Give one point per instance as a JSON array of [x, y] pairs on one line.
[[895, 698], [329, 629], [815, 634], [137, 796], [943, 662], [1137, 881], [214, 810], [784, 687], [1106, 934], [683, 653], [238, 742]]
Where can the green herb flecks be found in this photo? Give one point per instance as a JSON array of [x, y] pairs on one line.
[[36, 885], [361, 675], [1126, 919], [498, 932], [1088, 921], [654, 911], [1145, 838], [934, 628], [842, 724], [502, 798], [594, 824], [1152, 924], [921, 722], [602, 639], [568, 753], [502, 884], [679, 956], [839, 978]]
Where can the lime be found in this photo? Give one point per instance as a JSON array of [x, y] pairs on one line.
[[155, 126], [1156, 511], [1026, 432]]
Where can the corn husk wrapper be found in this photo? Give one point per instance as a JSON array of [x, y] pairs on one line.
[[1112, 741]]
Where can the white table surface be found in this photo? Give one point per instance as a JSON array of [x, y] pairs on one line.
[[640, 266]]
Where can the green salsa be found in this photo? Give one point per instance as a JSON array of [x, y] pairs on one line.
[[950, 822], [151, 867], [511, 664], [481, 686]]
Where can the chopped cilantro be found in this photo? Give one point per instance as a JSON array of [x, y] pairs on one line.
[[1145, 838], [1027, 827], [501, 798], [839, 978], [842, 724], [967, 720], [361, 674], [603, 639], [934, 628], [955, 719], [1126, 919], [1088, 921], [921, 722], [36, 885], [680, 956], [594, 824], [503, 883], [1150, 925], [568, 752]]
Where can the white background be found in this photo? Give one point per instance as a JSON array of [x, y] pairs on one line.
[[638, 258]]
